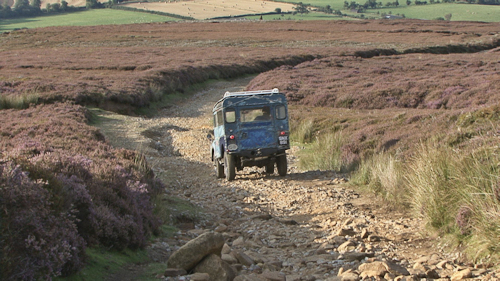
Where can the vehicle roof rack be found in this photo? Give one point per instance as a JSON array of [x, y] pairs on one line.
[[251, 93]]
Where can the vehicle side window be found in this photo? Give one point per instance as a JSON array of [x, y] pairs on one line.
[[280, 112], [219, 119], [230, 115]]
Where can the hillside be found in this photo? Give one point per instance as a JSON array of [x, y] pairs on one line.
[[381, 97]]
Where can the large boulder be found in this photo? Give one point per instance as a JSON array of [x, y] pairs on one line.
[[189, 255], [218, 269]]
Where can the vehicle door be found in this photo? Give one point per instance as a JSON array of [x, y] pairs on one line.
[[256, 127]]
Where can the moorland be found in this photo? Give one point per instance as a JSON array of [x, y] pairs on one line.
[[408, 107]]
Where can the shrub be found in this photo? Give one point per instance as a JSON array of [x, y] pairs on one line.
[[63, 187], [36, 241], [303, 132], [18, 102], [383, 174], [455, 192], [329, 152]]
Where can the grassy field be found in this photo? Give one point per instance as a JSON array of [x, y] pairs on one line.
[[309, 16], [207, 9], [335, 4], [460, 12], [90, 17]]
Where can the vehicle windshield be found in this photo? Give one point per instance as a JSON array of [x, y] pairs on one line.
[[255, 114]]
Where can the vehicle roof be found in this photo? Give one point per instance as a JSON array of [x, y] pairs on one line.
[[250, 98]]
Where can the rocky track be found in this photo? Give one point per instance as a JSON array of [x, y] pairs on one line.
[[309, 225]]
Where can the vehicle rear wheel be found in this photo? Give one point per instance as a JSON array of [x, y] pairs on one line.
[[229, 166], [282, 165], [270, 167], [219, 169]]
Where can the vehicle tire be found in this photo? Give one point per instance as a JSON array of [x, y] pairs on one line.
[[219, 169], [282, 165], [270, 167], [229, 166]]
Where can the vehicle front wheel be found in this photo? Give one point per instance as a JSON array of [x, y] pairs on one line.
[[229, 166], [282, 165], [219, 169]]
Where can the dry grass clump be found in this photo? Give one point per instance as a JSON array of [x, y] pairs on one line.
[[383, 174], [329, 152], [18, 102], [62, 188], [456, 192]]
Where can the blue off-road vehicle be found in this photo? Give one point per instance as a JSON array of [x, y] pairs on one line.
[[250, 129]]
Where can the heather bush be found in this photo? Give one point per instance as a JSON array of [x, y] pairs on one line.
[[63, 184], [409, 81], [37, 242]]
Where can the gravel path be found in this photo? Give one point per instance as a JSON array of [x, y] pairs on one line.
[[309, 225]]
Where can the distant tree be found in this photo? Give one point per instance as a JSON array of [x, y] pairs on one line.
[[396, 3], [64, 5], [370, 4], [408, 2], [23, 8], [36, 6], [301, 8], [53, 8], [327, 9], [20, 4], [346, 4], [278, 10], [5, 12], [447, 17], [353, 5], [93, 4]]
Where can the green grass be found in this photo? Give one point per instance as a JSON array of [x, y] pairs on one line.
[[84, 18], [102, 263], [335, 4], [309, 16], [459, 12]]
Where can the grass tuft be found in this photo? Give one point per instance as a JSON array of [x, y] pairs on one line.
[[18, 102], [383, 174], [329, 151]]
